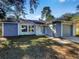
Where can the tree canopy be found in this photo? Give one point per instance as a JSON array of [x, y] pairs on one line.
[[67, 16], [2, 14], [17, 7], [75, 17], [46, 13], [77, 7]]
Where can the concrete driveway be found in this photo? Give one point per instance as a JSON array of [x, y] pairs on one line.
[[73, 39], [66, 40]]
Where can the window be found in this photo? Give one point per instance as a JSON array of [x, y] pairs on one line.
[[24, 28], [31, 28]]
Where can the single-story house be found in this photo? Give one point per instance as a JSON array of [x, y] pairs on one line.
[[66, 28], [23, 27], [37, 27]]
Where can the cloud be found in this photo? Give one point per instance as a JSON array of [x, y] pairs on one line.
[[62, 1]]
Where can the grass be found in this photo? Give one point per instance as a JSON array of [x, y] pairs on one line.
[[38, 47]]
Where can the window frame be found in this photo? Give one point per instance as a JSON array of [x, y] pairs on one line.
[[31, 28], [24, 28]]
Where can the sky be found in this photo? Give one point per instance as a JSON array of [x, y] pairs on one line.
[[58, 7]]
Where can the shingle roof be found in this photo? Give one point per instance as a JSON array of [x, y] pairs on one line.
[[34, 21], [28, 21]]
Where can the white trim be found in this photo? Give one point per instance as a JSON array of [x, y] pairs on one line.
[[2, 29], [34, 29], [73, 29], [18, 28], [8, 22], [61, 29]]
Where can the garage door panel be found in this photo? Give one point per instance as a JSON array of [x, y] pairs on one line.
[[10, 29], [67, 30]]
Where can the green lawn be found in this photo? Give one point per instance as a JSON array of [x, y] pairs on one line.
[[25, 41], [37, 47]]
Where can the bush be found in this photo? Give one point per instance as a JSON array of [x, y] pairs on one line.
[[5, 43]]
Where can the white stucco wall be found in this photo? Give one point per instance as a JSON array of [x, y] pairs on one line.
[[39, 30]]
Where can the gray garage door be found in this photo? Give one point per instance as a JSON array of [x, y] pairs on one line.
[[67, 30]]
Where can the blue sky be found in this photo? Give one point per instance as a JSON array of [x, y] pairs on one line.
[[58, 7]]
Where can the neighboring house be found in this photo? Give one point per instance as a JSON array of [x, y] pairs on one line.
[[76, 28], [66, 28]]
